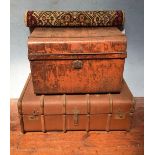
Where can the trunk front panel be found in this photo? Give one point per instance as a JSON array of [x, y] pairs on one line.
[[80, 122], [121, 122], [98, 122], [32, 123], [90, 76], [75, 112], [54, 122]]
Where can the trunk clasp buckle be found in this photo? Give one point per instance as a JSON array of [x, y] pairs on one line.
[[75, 117]]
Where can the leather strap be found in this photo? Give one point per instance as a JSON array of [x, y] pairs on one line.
[[19, 104], [43, 123], [64, 123], [108, 122], [88, 104], [21, 123], [110, 103], [88, 113], [42, 113], [64, 116], [88, 124], [64, 104], [42, 104], [131, 121]]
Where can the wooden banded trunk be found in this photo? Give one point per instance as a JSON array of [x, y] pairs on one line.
[[75, 112]]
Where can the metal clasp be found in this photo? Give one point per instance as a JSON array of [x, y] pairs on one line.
[[34, 115], [120, 115], [75, 117], [77, 64]]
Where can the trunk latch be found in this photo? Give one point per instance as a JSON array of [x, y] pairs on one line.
[[34, 115], [120, 115], [75, 117], [77, 64]]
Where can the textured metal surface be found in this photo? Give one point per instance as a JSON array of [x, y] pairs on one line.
[[101, 53]]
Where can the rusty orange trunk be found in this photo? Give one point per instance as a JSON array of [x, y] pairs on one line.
[[77, 60]]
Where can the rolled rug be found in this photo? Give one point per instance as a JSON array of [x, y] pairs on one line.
[[74, 18]]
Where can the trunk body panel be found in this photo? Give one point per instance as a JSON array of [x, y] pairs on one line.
[[77, 60], [75, 112]]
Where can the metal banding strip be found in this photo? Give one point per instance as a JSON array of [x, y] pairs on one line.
[[88, 104], [110, 103], [75, 53], [20, 115], [42, 113], [64, 111], [19, 104], [42, 104], [130, 115], [33, 56], [43, 123], [108, 122], [21, 123], [64, 123], [88, 124], [88, 113], [64, 104]]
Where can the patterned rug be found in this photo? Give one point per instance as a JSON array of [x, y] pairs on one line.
[[74, 18]]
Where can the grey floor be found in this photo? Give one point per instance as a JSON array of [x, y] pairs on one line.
[[134, 26]]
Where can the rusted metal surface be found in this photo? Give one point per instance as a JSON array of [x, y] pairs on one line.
[[53, 51], [76, 40], [76, 112]]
